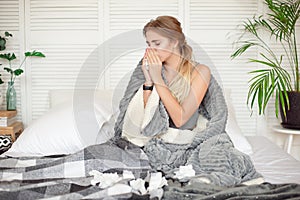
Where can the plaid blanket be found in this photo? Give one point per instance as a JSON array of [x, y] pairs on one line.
[[67, 177]]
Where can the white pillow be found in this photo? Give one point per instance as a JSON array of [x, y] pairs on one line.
[[232, 128], [66, 128]]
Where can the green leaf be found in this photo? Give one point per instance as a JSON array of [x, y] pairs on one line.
[[18, 72], [253, 98], [8, 70], [282, 102], [38, 54], [34, 53], [284, 78], [276, 104], [272, 76], [2, 44], [27, 54], [262, 85], [258, 77], [259, 99], [283, 17], [8, 56], [273, 64], [270, 92], [241, 50], [7, 34], [259, 71]]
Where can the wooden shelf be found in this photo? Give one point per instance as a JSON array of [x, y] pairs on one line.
[[8, 113], [14, 130]]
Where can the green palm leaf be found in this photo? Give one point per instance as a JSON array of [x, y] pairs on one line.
[[279, 24]]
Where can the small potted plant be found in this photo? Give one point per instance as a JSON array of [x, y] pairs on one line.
[[279, 25], [2, 48], [11, 98]]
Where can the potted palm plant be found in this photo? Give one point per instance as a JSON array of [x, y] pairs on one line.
[[279, 74]]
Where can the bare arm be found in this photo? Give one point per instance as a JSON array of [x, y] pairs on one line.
[[146, 94], [180, 114]]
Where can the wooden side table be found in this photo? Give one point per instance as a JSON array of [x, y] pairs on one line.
[[14, 130], [290, 133]]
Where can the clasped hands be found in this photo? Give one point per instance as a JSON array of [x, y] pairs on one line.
[[152, 71]]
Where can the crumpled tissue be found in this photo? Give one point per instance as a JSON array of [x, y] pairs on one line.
[[128, 175], [138, 185], [104, 179], [185, 172], [156, 181]]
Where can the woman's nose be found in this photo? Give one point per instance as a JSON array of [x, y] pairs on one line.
[[152, 47]]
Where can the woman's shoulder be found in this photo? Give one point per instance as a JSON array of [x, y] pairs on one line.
[[201, 67], [201, 71]]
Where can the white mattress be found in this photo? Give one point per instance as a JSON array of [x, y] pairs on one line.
[[272, 162]]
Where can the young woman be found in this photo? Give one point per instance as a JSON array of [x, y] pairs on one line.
[[186, 81], [174, 110]]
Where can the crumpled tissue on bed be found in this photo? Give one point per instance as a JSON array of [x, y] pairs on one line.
[[138, 185], [104, 179], [156, 181], [185, 172], [112, 180]]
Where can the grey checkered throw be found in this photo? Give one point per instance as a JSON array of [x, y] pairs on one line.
[[67, 177]]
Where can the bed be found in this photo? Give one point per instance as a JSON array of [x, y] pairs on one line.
[[33, 174], [272, 162]]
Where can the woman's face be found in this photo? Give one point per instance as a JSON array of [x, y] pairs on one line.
[[163, 45]]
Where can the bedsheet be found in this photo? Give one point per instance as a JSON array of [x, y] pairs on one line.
[[272, 162]]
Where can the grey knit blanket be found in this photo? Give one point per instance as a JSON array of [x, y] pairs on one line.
[[211, 153]]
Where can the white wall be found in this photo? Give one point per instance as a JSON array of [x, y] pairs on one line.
[[91, 35]]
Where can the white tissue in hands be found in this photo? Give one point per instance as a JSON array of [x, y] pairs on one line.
[[104, 180], [156, 181], [185, 172], [146, 64]]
